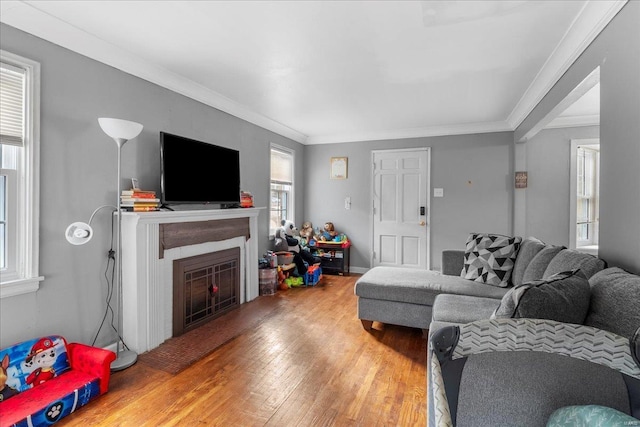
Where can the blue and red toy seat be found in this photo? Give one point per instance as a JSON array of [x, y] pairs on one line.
[[48, 379]]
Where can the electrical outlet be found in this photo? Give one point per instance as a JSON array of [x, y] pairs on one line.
[[438, 192]]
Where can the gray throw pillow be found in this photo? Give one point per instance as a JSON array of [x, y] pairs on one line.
[[536, 268], [528, 249], [563, 297], [615, 301], [571, 259], [489, 258]]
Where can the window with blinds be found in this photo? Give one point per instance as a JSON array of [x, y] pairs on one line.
[[19, 174], [12, 94], [281, 204]]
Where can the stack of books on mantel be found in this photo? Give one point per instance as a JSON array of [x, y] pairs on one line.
[[137, 200]]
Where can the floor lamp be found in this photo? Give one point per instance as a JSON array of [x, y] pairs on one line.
[[80, 233], [121, 131]]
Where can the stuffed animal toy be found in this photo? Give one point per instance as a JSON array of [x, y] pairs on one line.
[[328, 233], [307, 230], [285, 240], [285, 237], [307, 234]]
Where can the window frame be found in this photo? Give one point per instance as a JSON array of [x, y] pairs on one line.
[[22, 276], [291, 202], [590, 246]]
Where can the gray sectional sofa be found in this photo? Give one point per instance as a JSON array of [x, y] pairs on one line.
[[405, 296], [498, 355]]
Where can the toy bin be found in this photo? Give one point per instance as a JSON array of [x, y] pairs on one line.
[[268, 279], [284, 257], [313, 275]]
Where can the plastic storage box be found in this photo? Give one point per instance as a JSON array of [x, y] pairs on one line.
[[313, 275]]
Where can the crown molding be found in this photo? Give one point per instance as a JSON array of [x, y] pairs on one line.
[[593, 17], [27, 17], [460, 129], [574, 121]]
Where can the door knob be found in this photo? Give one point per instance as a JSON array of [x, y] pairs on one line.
[[422, 223]]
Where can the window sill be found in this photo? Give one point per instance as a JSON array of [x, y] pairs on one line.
[[20, 287], [590, 249]]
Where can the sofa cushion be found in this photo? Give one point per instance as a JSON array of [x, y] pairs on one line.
[[528, 249], [571, 259], [462, 308], [615, 301], [452, 261], [36, 361], [563, 297], [489, 258], [536, 268], [417, 286]]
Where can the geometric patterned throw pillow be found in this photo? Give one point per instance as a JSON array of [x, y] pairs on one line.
[[489, 258]]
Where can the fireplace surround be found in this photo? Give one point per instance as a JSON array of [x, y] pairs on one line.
[[147, 264]]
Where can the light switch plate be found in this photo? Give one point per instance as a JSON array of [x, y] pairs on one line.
[[438, 192]]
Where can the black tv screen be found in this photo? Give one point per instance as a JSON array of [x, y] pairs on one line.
[[198, 172]]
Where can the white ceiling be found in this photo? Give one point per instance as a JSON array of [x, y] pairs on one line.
[[336, 71]]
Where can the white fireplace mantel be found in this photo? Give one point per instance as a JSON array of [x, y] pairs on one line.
[[147, 279]]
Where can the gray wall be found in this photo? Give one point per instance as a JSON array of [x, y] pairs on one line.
[[617, 51], [78, 174], [547, 193], [474, 170]]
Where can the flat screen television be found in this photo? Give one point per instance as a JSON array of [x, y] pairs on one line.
[[197, 172]]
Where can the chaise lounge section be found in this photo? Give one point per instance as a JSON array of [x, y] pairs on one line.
[[405, 296]]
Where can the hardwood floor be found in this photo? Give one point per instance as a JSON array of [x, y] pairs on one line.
[[310, 363]]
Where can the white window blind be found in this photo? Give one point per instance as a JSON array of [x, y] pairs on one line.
[[281, 167], [12, 84]]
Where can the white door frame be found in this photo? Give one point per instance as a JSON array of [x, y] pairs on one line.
[[428, 200]]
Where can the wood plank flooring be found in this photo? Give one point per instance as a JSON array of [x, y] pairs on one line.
[[309, 363]]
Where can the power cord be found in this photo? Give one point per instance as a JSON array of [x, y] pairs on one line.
[[110, 268]]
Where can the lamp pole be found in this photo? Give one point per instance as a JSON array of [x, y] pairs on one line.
[[121, 131], [124, 358]]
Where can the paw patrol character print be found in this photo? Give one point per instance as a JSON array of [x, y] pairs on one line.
[[54, 411], [43, 355], [5, 391]]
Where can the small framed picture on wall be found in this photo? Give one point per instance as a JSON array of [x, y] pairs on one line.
[[339, 168], [521, 179]]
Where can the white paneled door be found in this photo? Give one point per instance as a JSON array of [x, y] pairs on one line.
[[401, 208]]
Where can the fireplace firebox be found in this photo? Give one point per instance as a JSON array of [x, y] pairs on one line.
[[204, 287]]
